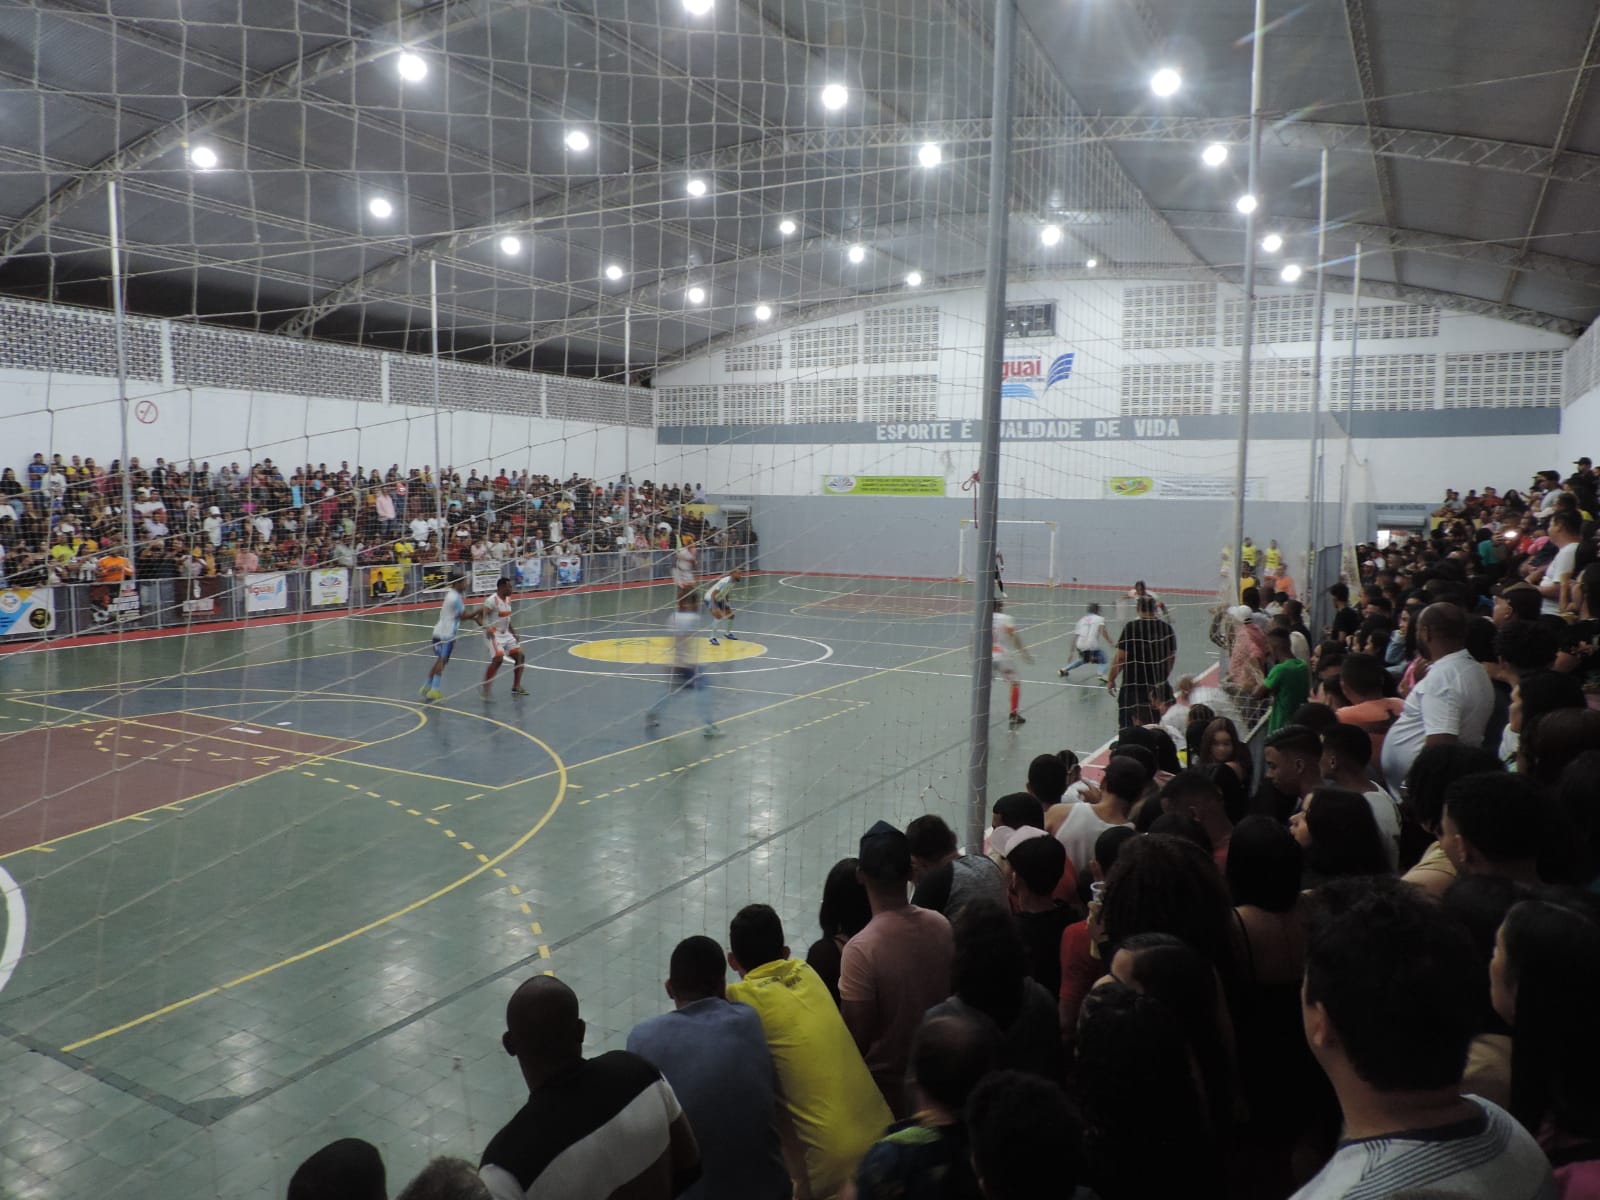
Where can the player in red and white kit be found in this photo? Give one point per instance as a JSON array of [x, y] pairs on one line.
[[683, 564], [1008, 648], [503, 642]]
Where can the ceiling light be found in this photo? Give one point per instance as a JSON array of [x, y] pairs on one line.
[[930, 155], [1291, 273], [1166, 82], [1092, 263], [1214, 155], [763, 312], [695, 187], [577, 140], [1050, 235], [696, 295], [914, 279], [835, 96], [380, 208], [413, 68], [697, 8], [510, 244], [856, 254], [787, 227], [1272, 243], [613, 272], [203, 157], [1245, 204]]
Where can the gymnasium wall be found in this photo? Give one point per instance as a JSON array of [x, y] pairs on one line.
[[1580, 419]]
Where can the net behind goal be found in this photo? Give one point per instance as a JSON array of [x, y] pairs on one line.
[[1025, 551]]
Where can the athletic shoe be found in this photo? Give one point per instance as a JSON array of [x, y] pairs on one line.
[[651, 720], [712, 731], [1102, 679], [1016, 719], [435, 694], [423, 692], [714, 642], [1063, 671], [519, 691], [732, 637]]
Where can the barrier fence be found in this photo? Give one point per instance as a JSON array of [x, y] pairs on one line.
[[73, 609]]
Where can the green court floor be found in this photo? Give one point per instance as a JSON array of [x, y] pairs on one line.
[[272, 898]]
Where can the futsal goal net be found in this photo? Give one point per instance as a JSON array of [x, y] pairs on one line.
[[1025, 552]]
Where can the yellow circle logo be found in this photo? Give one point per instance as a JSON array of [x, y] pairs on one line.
[[658, 651]]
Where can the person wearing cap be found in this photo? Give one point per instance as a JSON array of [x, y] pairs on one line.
[[896, 968]]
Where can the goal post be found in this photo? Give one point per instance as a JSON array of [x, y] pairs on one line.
[[1026, 548]]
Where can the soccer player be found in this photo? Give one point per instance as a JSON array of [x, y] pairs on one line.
[[1138, 592], [451, 613], [683, 565], [1007, 648], [503, 643], [686, 673], [1087, 636], [718, 607]]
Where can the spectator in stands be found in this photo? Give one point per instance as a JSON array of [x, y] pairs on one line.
[[1480, 904], [1026, 1139], [1452, 703], [1220, 744], [1389, 1014], [1337, 831], [348, 1169], [714, 1056], [844, 913], [943, 878], [1554, 580], [1249, 655], [1080, 961], [446, 1179], [1036, 868], [1346, 757], [1081, 822], [1288, 682], [1519, 601], [1496, 824], [1293, 758], [1163, 884], [830, 1111], [591, 1127], [896, 968], [1194, 793], [1368, 707], [1346, 620]]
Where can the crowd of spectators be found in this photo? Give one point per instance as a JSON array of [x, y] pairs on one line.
[[62, 520]]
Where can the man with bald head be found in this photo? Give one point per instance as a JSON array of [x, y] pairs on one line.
[[606, 1128], [1451, 703]]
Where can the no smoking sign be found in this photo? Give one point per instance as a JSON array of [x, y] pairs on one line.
[[146, 412]]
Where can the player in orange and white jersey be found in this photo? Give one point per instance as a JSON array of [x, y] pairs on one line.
[[503, 641], [1008, 648]]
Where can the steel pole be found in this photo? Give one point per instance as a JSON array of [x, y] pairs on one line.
[[1314, 472], [1248, 331], [627, 421], [1347, 551], [438, 462], [120, 319], [994, 345]]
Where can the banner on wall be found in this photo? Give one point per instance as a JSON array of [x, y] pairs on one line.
[[200, 595], [883, 485], [1182, 487], [436, 576], [124, 605], [529, 571], [328, 586], [27, 611], [569, 570], [385, 582], [266, 592], [484, 576]]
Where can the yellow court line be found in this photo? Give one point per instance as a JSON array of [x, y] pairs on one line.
[[489, 864]]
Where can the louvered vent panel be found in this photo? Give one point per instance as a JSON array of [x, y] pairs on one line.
[[900, 398], [1276, 385], [757, 356], [813, 400], [1168, 389], [901, 335], [1386, 383], [1509, 379], [752, 403], [830, 346], [1169, 316]]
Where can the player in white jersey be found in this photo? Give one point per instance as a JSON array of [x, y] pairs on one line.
[[1008, 648], [687, 674], [718, 607], [451, 613], [1138, 592], [683, 563], [503, 641], [1087, 637]]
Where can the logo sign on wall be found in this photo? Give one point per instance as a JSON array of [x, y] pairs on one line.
[[530, 571], [435, 577], [1182, 487], [200, 596], [484, 576], [125, 607], [385, 582], [1020, 372], [883, 485], [329, 586], [266, 592], [569, 570], [27, 610]]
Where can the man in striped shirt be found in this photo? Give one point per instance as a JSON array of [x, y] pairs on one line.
[[606, 1128]]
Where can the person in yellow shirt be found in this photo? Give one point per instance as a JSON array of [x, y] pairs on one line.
[[405, 552], [1274, 558], [830, 1111], [1248, 555]]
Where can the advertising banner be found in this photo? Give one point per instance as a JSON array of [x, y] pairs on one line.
[[26, 610], [435, 577], [385, 582], [200, 596], [266, 592], [1182, 487], [883, 485], [529, 572], [569, 570], [124, 605], [328, 586], [484, 576]]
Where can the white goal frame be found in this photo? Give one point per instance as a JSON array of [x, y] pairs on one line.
[[962, 556]]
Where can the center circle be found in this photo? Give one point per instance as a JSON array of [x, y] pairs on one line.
[[659, 651]]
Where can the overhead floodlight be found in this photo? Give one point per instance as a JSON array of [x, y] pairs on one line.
[[1214, 155], [510, 244], [413, 68], [1092, 263], [857, 254], [695, 187], [697, 8], [380, 208], [577, 140], [763, 312], [695, 295], [835, 96], [203, 157], [614, 272], [1272, 243], [787, 227], [1050, 235], [914, 279], [1291, 273], [1166, 82], [931, 154], [1245, 204]]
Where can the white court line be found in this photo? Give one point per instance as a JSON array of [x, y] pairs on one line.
[[16, 927]]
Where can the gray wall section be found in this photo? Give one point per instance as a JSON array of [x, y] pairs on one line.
[[1171, 544]]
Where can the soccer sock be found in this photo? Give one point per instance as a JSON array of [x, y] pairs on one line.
[[1016, 695], [516, 676]]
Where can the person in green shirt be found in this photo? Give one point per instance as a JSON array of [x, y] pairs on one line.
[[1288, 682]]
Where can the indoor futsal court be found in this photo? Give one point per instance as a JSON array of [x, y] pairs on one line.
[[266, 880]]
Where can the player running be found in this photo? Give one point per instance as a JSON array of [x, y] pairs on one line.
[[719, 609], [1139, 592], [683, 563], [503, 642], [687, 675], [451, 612], [1006, 642], [1087, 636]]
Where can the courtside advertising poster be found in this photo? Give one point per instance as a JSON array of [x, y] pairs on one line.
[[384, 582], [26, 611], [435, 577], [569, 570], [200, 596], [530, 572], [484, 576], [328, 586], [266, 592]]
